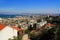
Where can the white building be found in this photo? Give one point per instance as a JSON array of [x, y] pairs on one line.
[[7, 32], [41, 24]]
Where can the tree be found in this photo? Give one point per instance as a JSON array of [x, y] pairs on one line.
[[16, 38]]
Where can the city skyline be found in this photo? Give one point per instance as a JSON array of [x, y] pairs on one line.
[[30, 6]]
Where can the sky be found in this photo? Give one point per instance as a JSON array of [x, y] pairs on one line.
[[30, 6]]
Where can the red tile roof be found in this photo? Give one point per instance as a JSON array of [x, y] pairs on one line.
[[18, 29], [49, 24], [2, 26]]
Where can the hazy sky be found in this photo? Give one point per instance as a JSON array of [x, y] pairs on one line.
[[30, 6]]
